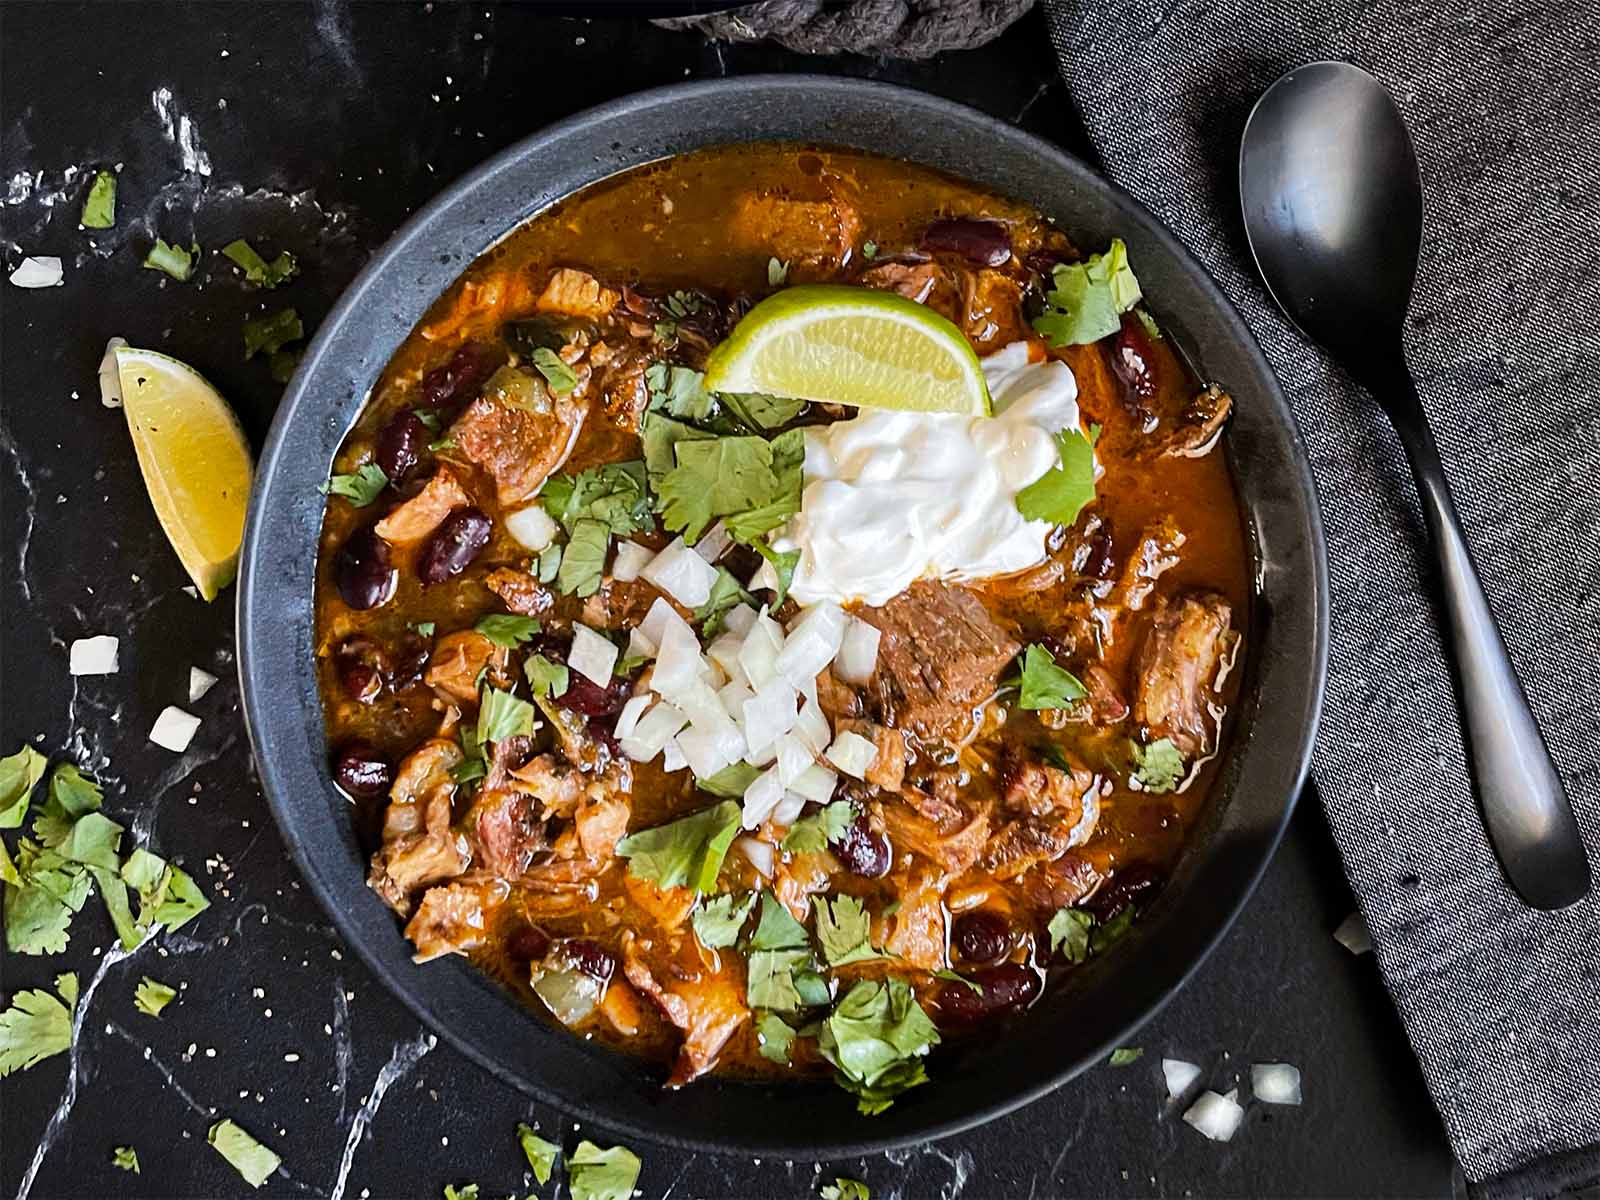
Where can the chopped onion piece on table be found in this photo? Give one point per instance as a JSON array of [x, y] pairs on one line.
[[852, 754], [174, 729], [592, 656], [639, 646], [678, 662], [816, 783], [38, 271], [1180, 1076], [761, 797], [653, 732], [858, 652], [93, 656], [200, 682], [682, 574], [628, 718], [709, 748], [1275, 1083], [725, 653], [1215, 1116], [654, 625], [1353, 934], [110, 376], [533, 528], [632, 558]]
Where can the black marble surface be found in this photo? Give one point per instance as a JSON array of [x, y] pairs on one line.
[[319, 128]]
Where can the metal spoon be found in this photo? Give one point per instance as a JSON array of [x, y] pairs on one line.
[[1333, 210]]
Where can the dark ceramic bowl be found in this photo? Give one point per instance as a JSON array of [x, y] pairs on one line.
[[1099, 1006]]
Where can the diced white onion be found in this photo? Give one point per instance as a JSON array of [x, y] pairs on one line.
[[770, 714], [653, 732], [811, 643], [714, 544], [765, 578], [93, 656], [732, 696], [1215, 1116], [789, 809], [533, 528], [1353, 934], [852, 754], [739, 619], [628, 718], [701, 703], [640, 646], [682, 574], [768, 756], [37, 271], [592, 656], [1275, 1083], [200, 682], [725, 653], [678, 663], [763, 642], [758, 852], [174, 729], [710, 748], [110, 377], [631, 559], [1180, 1076], [794, 756], [858, 652], [812, 728], [761, 797], [815, 783], [672, 758], [661, 614]]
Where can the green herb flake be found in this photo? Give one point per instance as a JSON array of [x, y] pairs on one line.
[[811, 835], [844, 930], [361, 487], [502, 715], [19, 774], [1124, 1055], [726, 592], [842, 1188], [596, 1174], [770, 979], [616, 495], [869, 249], [956, 977], [125, 1158], [1044, 684], [558, 376], [1087, 298], [549, 563], [783, 564], [753, 483], [258, 270], [583, 560], [151, 996], [1159, 767], [1149, 323], [687, 852], [507, 630], [423, 628], [777, 273], [874, 1037], [271, 333], [546, 678], [718, 921], [540, 1153], [1069, 933], [467, 1191], [281, 365], [777, 929], [775, 1038], [39, 907], [174, 260], [1102, 936], [1062, 492], [250, 1158], [100, 204], [36, 1026], [679, 391]]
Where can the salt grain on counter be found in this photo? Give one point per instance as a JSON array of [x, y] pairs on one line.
[[93, 656], [174, 729]]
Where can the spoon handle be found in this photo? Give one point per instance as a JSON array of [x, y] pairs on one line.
[[1525, 807]]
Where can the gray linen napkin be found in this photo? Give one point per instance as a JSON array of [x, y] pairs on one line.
[[1501, 1002]]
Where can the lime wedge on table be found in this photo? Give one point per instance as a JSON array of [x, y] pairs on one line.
[[851, 345], [195, 462]]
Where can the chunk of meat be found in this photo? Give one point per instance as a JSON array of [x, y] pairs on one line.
[[457, 661], [888, 770], [1178, 666], [480, 304], [991, 309], [794, 230], [521, 592], [927, 283], [800, 877], [1153, 557], [1042, 791], [507, 829], [519, 445], [601, 822], [668, 907], [917, 928], [454, 918], [578, 294], [1195, 429], [1061, 883], [708, 1009], [558, 786], [837, 699], [419, 848], [954, 851], [414, 519], [1023, 844], [940, 656]]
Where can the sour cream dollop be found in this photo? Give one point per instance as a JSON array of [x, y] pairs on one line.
[[893, 497]]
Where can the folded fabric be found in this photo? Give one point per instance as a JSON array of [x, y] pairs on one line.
[[1501, 1002]]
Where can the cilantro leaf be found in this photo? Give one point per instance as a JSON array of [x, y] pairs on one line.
[[71, 796], [1087, 298], [759, 412], [660, 437], [788, 458], [715, 478], [811, 835], [19, 773], [783, 564], [844, 930], [1061, 493], [151, 996], [777, 272], [1103, 935], [957, 977], [1046, 685], [731, 781], [777, 929], [360, 488], [687, 852], [558, 376], [726, 591], [502, 715], [1123, 1055], [1149, 323], [100, 204], [467, 1191], [775, 1037], [1159, 766], [717, 922], [36, 1026], [770, 979], [680, 391], [507, 630], [272, 333], [256, 269], [182, 902], [583, 560], [38, 913], [281, 365], [596, 1174], [125, 1158], [541, 1154], [549, 563], [250, 1158], [1069, 933], [174, 260], [845, 1189], [871, 1038], [546, 678], [869, 249], [115, 894], [93, 841]]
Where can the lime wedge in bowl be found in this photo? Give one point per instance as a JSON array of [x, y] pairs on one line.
[[851, 345], [195, 461]]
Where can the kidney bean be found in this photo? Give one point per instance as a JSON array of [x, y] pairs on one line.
[[401, 444], [987, 243], [584, 695], [528, 943], [462, 376], [589, 957], [362, 771], [1133, 361], [1009, 987], [863, 850], [362, 667], [1135, 883], [981, 936], [411, 663], [453, 545], [363, 572]]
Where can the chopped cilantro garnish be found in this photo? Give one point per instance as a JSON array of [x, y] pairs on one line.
[[687, 852], [777, 273], [783, 564], [361, 487], [423, 628], [615, 495], [1061, 493], [777, 929], [281, 364], [558, 376], [467, 1191], [38, 909], [1085, 303], [596, 1174], [429, 418], [844, 930], [775, 1037], [1044, 684], [1123, 1055], [546, 678], [507, 629], [247, 1156], [1159, 766], [541, 1154], [151, 996], [726, 591], [770, 979], [718, 921], [549, 563], [502, 715], [583, 560], [258, 270], [680, 391], [874, 1037], [869, 249], [756, 412], [1069, 933], [19, 773], [100, 205], [272, 333], [174, 260], [842, 1188], [125, 1158], [811, 835], [36, 1026], [1103, 935], [753, 483], [956, 977], [731, 781]]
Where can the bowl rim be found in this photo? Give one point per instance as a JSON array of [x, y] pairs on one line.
[[270, 573]]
